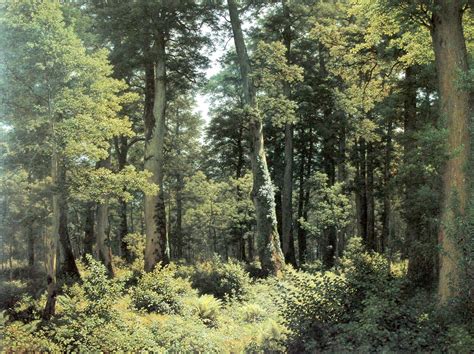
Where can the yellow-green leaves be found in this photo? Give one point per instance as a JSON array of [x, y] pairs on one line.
[[102, 184], [271, 71]]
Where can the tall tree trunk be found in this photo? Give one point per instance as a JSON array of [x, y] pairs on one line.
[[104, 251], [179, 215], [371, 235], [121, 146], [31, 244], [68, 265], [271, 256], [361, 190], [89, 235], [304, 194], [157, 247], [330, 236], [178, 244], [52, 241], [386, 213], [451, 60], [288, 244]]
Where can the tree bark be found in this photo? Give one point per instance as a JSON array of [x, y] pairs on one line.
[[157, 247], [104, 251], [371, 235], [121, 146], [89, 235], [68, 265], [451, 60], [288, 244], [386, 213], [31, 244], [361, 190], [52, 241], [271, 256]]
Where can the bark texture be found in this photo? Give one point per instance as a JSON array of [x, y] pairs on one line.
[[52, 244], [288, 243], [271, 256], [451, 60], [156, 247]]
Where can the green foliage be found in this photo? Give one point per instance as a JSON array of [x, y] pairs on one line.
[[11, 292], [252, 313], [329, 207], [222, 280], [312, 302], [160, 291], [207, 308]]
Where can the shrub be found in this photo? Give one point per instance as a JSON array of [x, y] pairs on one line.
[[252, 313], [310, 304], [207, 308], [222, 280], [160, 291], [11, 292], [366, 273], [180, 335]]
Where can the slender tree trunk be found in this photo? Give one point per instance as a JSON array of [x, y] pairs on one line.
[[104, 251], [371, 235], [157, 247], [121, 146], [68, 265], [300, 231], [386, 213], [271, 256], [304, 194], [31, 244], [52, 242], [451, 60], [288, 244], [330, 240], [179, 215], [89, 235], [361, 190]]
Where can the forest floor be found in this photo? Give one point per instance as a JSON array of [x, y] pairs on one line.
[[214, 306]]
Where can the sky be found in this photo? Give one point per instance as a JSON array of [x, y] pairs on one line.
[[202, 101]]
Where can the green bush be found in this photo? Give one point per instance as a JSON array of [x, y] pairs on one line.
[[180, 335], [222, 280], [207, 308], [160, 291], [252, 313], [310, 304]]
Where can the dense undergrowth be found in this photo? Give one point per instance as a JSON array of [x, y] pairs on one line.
[[365, 305]]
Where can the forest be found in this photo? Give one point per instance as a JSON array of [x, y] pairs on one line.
[[227, 176]]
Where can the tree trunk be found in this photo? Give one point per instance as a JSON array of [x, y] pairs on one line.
[[271, 256], [361, 190], [89, 236], [31, 244], [386, 213], [121, 146], [68, 265], [451, 61], [288, 243], [104, 251], [156, 247], [371, 236], [329, 245], [304, 194], [52, 242]]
